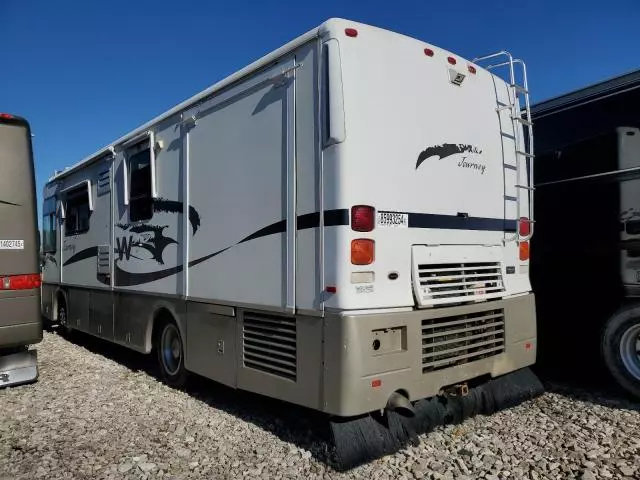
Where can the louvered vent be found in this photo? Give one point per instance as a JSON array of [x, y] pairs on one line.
[[104, 183], [104, 260], [451, 341], [459, 282], [269, 344]]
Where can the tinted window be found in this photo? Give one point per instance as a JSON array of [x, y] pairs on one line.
[[49, 225], [140, 201], [77, 214]]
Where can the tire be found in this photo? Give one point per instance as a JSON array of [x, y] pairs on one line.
[[170, 351], [620, 344]]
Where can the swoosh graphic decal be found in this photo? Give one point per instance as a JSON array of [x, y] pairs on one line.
[[81, 255], [309, 220], [4, 202], [174, 206], [445, 150]]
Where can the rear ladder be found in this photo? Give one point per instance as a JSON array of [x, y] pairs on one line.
[[524, 153]]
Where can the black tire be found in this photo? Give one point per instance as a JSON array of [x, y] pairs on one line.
[[620, 336], [170, 352]]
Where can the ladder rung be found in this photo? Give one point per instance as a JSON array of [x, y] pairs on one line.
[[523, 121], [504, 107], [525, 154], [519, 88], [525, 187]]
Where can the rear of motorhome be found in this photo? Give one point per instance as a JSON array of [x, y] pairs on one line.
[[586, 253], [20, 320], [342, 224]]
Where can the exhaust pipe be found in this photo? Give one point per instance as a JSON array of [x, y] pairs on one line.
[[399, 403]]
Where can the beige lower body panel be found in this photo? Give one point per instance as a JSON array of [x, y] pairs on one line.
[[20, 321], [358, 379]]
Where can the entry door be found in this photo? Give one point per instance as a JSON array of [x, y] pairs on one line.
[[101, 321], [241, 181]]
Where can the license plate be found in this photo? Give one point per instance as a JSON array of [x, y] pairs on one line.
[[392, 220], [11, 244]]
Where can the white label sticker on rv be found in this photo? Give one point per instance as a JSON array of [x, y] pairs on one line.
[[393, 219], [364, 288], [11, 244]]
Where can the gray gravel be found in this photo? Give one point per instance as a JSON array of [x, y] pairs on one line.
[[102, 415]]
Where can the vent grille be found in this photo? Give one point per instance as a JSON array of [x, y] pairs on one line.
[[104, 259], [460, 339], [269, 344], [104, 183], [456, 282]]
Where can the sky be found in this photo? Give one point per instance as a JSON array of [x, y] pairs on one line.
[[87, 72]]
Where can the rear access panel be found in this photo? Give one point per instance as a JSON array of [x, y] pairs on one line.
[[453, 274]]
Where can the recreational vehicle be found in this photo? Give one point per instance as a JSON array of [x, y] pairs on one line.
[[343, 225], [586, 254], [20, 320]]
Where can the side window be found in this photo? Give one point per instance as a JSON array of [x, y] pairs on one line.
[[49, 225], [140, 198], [77, 211]]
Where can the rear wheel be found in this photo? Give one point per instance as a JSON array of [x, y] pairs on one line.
[[621, 348], [170, 350]]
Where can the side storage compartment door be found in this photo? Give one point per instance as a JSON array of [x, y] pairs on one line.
[[211, 337]]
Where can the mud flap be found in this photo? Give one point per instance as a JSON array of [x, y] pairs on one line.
[[18, 368], [368, 437]]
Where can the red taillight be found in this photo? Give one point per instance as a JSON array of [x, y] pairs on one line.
[[428, 52], [331, 289], [451, 60], [350, 32], [471, 69], [6, 115], [363, 251], [524, 226], [20, 282], [363, 218]]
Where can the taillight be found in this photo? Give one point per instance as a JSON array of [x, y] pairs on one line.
[[351, 32], [20, 282], [363, 218], [6, 115], [524, 251], [524, 227], [363, 251]]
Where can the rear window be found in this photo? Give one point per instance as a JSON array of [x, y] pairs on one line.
[[16, 183]]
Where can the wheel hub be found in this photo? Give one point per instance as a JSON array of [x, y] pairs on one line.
[[630, 350], [171, 349]]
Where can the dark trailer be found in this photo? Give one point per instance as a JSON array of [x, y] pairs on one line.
[[585, 265], [20, 320]]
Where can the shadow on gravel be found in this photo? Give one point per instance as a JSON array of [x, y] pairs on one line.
[[307, 429], [588, 382]]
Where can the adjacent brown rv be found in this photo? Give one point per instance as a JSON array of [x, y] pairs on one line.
[[20, 320]]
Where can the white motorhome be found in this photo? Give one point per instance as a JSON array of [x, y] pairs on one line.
[[342, 222]]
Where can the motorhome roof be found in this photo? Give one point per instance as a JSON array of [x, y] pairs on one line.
[[318, 31], [611, 86]]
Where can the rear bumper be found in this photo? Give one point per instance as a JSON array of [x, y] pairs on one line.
[[359, 379], [20, 321]]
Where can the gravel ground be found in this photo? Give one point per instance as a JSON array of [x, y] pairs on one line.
[[97, 412]]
